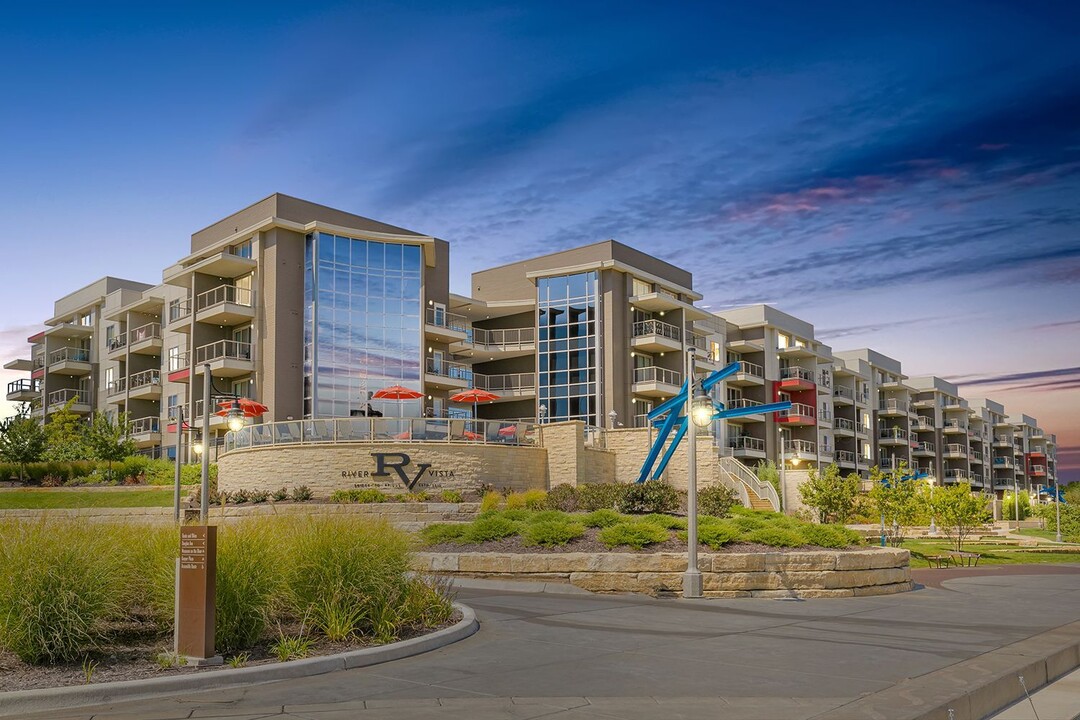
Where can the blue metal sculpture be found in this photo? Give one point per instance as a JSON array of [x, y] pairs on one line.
[[667, 418], [1052, 491]]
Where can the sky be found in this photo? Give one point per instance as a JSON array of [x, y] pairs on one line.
[[905, 176]]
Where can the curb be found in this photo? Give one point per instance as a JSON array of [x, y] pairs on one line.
[[974, 688], [25, 701]]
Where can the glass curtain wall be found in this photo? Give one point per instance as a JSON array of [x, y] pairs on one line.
[[567, 312], [362, 326]]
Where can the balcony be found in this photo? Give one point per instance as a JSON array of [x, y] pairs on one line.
[[893, 407], [800, 414], [824, 414], [655, 336], [652, 381], [145, 340], [796, 378], [664, 301], [502, 343], [1003, 441], [445, 326], [924, 402], [923, 448], [444, 374], [145, 431], [511, 386], [845, 457], [23, 390], [1038, 471], [800, 449], [892, 436], [116, 346], [224, 305], [743, 345], [843, 395], [740, 403], [954, 426], [1003, 463], [747, 446], [178, 315], [862, 429], [227, 358], [177, 368], [798, 350], [70, 361], [216, 421], [955, 475], [748, 374], [922, 424], [145, 385], [115, 389], [58, 398], [224, 264], [955, 451], [843, 426]]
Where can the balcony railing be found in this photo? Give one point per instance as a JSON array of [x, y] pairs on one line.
[[115, 387], [976, 456], [655, 327], [844, 424], [796, 373], [505, 383], [744, 403], [892, 434], [149, 331], [448, 368], [955, 425], [69, 353], [179, 310], [1003, 462], [922, 423], [23, 385], [844, 392], [800, 447], [956, 474], [144, 425], [59, 397], [824, 414], [508, 337], [146, 377], [441, 318], [1038, 469], [924, 447], [223, 294], [894, 406], [746, 442], [845, 456], [223, 350], [955, 449], [117, 343], [799, 409], [655, 374], [697, 341], [825, 379], [177, 362], [750, 368]]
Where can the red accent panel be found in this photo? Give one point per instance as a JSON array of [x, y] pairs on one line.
[[38, 374], [796, 384], [34, 339], [180, 375]]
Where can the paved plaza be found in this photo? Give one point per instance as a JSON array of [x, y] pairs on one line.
[[578, 656]]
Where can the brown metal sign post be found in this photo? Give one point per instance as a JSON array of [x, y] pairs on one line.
[[195, 595]]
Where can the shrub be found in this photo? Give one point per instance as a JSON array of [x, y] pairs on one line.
[[651, 496], [829, 536], [717, 534], [259, 496], [601, 496], [492, 500], [415, 497], [301, 493], [634, 533], [1009, 503], [748, 522], [359, 495], [439, 533], [249, 579], [60, 583], [535, 499], [716, 500], [291, 647], [162, 472], [239, 496], [539, 516], [489, 527], [450, 496], [668, 522], [601, 518], [562, 497], [280, 495], [426, 603], [775, 536], [550, 532]]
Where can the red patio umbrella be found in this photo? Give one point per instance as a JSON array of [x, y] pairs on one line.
[[251, 408], [475, 396], [397, 392]]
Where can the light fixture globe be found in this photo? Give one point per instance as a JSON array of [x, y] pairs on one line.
[[197, 447], [702, 410], [235, 418]]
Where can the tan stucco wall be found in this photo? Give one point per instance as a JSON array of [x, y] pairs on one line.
[[458, 467], [631, 445]]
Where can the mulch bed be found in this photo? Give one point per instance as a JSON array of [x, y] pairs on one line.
[[589, 543], [135, 659]]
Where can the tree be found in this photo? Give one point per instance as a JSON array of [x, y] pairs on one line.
[[65, 435], [767, 473], [1071, 493], [1009, 505], [898, 501], [22, 441], [959, 511], [109, 441], [832, 495]]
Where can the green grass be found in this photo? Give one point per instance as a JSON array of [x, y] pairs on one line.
[[1036, 533], [991, 554], [51, 499]]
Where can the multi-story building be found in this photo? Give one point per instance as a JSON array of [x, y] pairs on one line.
[[312, 311]]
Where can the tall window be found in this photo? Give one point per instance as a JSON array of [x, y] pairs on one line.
[[362, 325], [171, 403], [567, 310]]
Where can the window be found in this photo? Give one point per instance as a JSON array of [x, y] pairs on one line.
[[566, 310], [783, 341], [176, 362], [242, 249], [171, 404], [641, 287], [243, 388], [716, 351], [87, 319]]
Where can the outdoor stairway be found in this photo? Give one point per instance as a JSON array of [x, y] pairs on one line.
[[759, 503], [751, 492]]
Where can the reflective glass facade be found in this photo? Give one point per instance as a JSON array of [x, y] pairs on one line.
[[566, 317], [362, 325]]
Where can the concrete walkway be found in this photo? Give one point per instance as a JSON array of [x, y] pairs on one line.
[[584, 656]]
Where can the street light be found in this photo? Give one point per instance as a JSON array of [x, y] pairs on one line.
[[699, 411], [1057, 509], [197, 446], [933, 520], [783, 472], [234, 418]]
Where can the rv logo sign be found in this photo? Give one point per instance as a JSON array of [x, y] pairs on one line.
[[398, 462]]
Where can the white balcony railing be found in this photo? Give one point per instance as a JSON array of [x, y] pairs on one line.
[[799, 409], [750, 368], [223, 294], [223, 350], [800, 447], [149, 331], [69, 353], [746, 442], [742, 402], [796, 373], [441, 318], [844, 392], [655, 327], [177, 362], [59, 397], [448, 369], [845, 456], [844, 424], [179, 310], [653, 374], [144, 378], [923, 447], [892, 434], [896, 406], [144, 425]]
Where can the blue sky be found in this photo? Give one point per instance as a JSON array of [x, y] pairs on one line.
[[905, 177]]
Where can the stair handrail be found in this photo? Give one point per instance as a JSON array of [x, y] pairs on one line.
[[743, 474]]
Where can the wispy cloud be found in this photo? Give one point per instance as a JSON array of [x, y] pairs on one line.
[[1053, 379], [868, 329]]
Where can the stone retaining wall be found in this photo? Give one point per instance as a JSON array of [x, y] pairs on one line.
[[812, 574]]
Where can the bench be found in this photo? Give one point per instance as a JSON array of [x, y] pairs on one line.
[[967, 559], [939, 560]]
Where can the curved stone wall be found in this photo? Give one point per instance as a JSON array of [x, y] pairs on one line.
[[390, 467], [813, 574]]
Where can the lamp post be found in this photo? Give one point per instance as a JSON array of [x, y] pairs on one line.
[[1057, 509], [933, 520], [235, 420], [1016, 503], [783, 472], [176, 468], [699, 413], [612, 417]]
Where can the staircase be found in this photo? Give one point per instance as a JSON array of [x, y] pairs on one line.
[[752, 492]]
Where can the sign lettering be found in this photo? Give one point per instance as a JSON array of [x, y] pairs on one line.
[[381, 464]]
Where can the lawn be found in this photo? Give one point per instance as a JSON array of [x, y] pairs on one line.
[[991, 554], [47, 499], [1036, 533]]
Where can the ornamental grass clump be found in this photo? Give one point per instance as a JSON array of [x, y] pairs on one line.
[[602, 518], [250, 582], [60, 584], [633, 533], [552, 531]]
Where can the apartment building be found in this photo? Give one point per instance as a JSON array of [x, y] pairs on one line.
[[313, 310]]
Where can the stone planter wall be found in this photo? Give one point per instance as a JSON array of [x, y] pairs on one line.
[[815, 574]]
